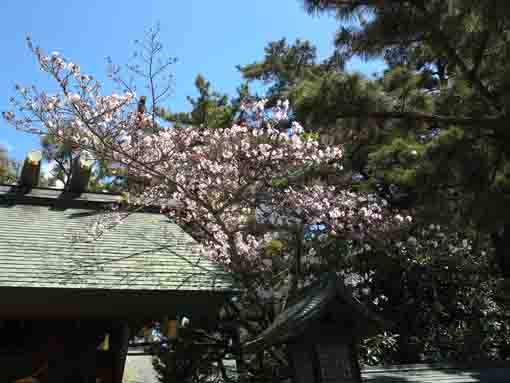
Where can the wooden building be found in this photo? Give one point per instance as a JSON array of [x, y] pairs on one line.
[[62, 290], [321, 328]]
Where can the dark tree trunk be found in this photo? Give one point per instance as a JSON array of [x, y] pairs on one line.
[[501, 242]]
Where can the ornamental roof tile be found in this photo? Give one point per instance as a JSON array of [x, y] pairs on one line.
[[326, 295]]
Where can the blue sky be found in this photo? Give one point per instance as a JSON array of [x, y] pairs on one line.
[[208, 37]]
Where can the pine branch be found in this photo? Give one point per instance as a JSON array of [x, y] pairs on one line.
[[490, 99], [423, 117]]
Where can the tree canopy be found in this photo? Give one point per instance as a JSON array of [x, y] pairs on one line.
[[8, 167], [398, 183]]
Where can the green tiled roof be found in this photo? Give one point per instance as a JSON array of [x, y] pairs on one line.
[[47, 245], [486, 372]]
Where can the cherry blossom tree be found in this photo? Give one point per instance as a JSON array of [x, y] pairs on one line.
[[265, 199], [223, 184]]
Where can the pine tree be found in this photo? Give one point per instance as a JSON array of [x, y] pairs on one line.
[[386, 152], [210, 109], [8, 167], [445, 152]]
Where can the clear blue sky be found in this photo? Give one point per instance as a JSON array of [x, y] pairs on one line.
[[208, 37]]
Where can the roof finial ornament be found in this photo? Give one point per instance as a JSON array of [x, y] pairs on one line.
[[31, 169], [80, 174]]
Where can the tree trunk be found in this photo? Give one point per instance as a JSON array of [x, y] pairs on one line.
[[501, 242]]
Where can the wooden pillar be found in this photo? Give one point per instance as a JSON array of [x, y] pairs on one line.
[[355, 361], [72, 354], [239, 355], [304, 364], [119, 339]]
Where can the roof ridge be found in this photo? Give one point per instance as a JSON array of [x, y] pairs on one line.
[[16, 186], [58, 198]]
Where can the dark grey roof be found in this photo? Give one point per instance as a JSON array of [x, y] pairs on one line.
[[53, 196], [311, 305], [485, 372], [45, 243]]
